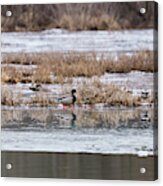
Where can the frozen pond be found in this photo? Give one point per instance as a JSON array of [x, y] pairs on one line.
[[97, 130], [97, 141], [111, 131], [56, 40]]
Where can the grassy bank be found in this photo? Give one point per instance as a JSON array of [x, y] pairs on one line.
[[59, 68], [111, 95], [87, 93], [88, 16]]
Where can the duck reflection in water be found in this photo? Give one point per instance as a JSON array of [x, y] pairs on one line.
[[73, 120], [66, 119]]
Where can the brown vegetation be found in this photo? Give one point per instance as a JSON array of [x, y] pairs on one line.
[[88, 16], [55, 67], [9, 98], [141, 61], [103, 22], [13, 75], [41, 100], [112, 95], [10, 75], [21, 59], [87, 93], [42, 74]]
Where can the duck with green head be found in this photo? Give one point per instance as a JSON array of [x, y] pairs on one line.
[[68, 100]]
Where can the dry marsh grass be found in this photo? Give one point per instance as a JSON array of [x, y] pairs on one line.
[[10, 75], [103, 22], [70, 65], [144, 61], [13, 75], [141, 61], [9, 98], [21, 58], [97, 92], [78, 16], [87, 93], [42, 74], [41, 100]]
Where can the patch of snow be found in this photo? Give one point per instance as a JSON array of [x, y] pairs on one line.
[[56, 40], [126, 141]]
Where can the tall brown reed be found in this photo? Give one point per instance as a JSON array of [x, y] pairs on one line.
[[54, 67]]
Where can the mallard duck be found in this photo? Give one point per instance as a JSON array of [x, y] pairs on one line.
[[35, 87], [68, 100], [144, 94], [38, 87], [145, 116]]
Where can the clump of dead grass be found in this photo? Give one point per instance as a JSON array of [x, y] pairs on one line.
[[140, 61], [43, 74], [112, 95], [144, 61], [59, 80], [9, 98], [21, 58], [77, 66], [13, 75], [85, 22], [55, 67], [42, 100]]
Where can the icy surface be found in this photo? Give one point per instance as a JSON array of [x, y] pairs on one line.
[[112, 131], [108, 133], [128, 141], [85, 41], [134, 80]]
